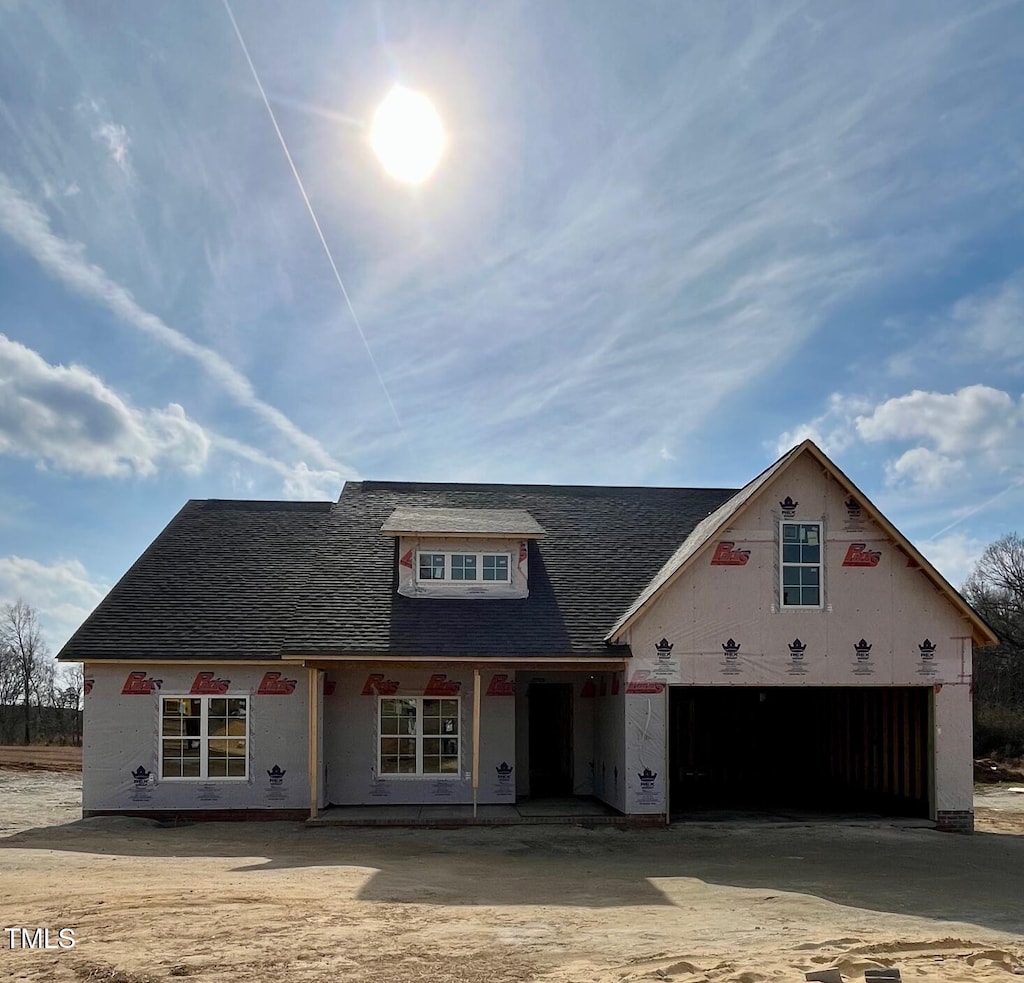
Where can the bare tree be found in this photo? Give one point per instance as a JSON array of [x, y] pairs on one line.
[[22, 642], [68, 700], [996, 588]]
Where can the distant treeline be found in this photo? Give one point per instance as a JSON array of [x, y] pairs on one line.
[[46, 725], [996, 589]]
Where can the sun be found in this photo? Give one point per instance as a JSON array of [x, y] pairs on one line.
[[407, 135]]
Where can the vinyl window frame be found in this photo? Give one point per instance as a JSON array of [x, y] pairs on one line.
[[448, 578], [419, 737], [204, 737], [802, 565]]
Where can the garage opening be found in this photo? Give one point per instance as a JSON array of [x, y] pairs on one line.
[[821, 749]]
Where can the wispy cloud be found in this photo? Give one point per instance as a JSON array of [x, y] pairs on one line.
[[954, 555], [689, 254], [983, 329], [66, 418], [833, 430], [299, 481], [115, 138], [112, 136], [27, 225], [990, 324], [62, 591]]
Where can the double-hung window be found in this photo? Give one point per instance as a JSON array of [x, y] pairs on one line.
[[419, 736], [801, 564], [465, 567], [204, 737]]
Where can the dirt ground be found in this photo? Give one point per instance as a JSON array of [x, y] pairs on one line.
[[279, 902], [40, 757]]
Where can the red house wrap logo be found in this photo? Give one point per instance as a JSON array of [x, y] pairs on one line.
[[501, 685], [440, 685], [139, 684], [858, 555], [377, 685], [205, 684], [406, 560], [273, 684], [643, 682], [726, 555], [87, 685]]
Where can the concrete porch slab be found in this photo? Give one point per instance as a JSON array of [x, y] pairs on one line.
[[563, 811]]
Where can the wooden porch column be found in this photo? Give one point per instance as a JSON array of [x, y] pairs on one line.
[[476, 737], [314, 743]]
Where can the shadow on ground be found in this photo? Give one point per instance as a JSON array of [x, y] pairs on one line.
[[977, 879]]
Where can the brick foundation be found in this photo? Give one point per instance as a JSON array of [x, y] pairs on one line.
[[959, 821]]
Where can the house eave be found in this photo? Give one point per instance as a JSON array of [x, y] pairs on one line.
[[324, 660]]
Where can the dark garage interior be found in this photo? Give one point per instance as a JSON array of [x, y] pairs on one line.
[[852, 750]]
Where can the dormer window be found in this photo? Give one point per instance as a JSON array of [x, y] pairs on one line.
[[457, 552], [462, 567]]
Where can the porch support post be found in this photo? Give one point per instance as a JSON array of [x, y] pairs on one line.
[[476, 737], [314, 743]]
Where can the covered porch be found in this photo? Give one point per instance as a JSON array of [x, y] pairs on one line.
[[398, 742]]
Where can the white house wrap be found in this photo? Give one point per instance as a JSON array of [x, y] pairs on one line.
[[665, 651]]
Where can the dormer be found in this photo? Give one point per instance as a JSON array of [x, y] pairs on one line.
[[472, 553]]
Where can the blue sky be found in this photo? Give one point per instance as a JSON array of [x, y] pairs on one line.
[[666, 241]]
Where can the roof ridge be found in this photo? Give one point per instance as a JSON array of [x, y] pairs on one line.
[[387, 485]]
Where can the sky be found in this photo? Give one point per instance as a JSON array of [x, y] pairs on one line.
[[665, 242]]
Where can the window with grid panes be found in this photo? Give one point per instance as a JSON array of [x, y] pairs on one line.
[[431, 566], [462, 567], [495, 566], [419, 736], [204, 737], [801, 564]]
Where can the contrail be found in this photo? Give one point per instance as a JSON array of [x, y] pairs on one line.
[[979, 508], [312, 214]]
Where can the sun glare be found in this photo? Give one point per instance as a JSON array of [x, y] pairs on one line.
[[407, 135]]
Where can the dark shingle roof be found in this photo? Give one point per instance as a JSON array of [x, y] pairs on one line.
[[248, 580]]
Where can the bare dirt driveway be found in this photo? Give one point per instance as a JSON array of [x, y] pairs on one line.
[[280, 902]]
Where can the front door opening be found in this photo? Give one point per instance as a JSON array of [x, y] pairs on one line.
[[550, 729]]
